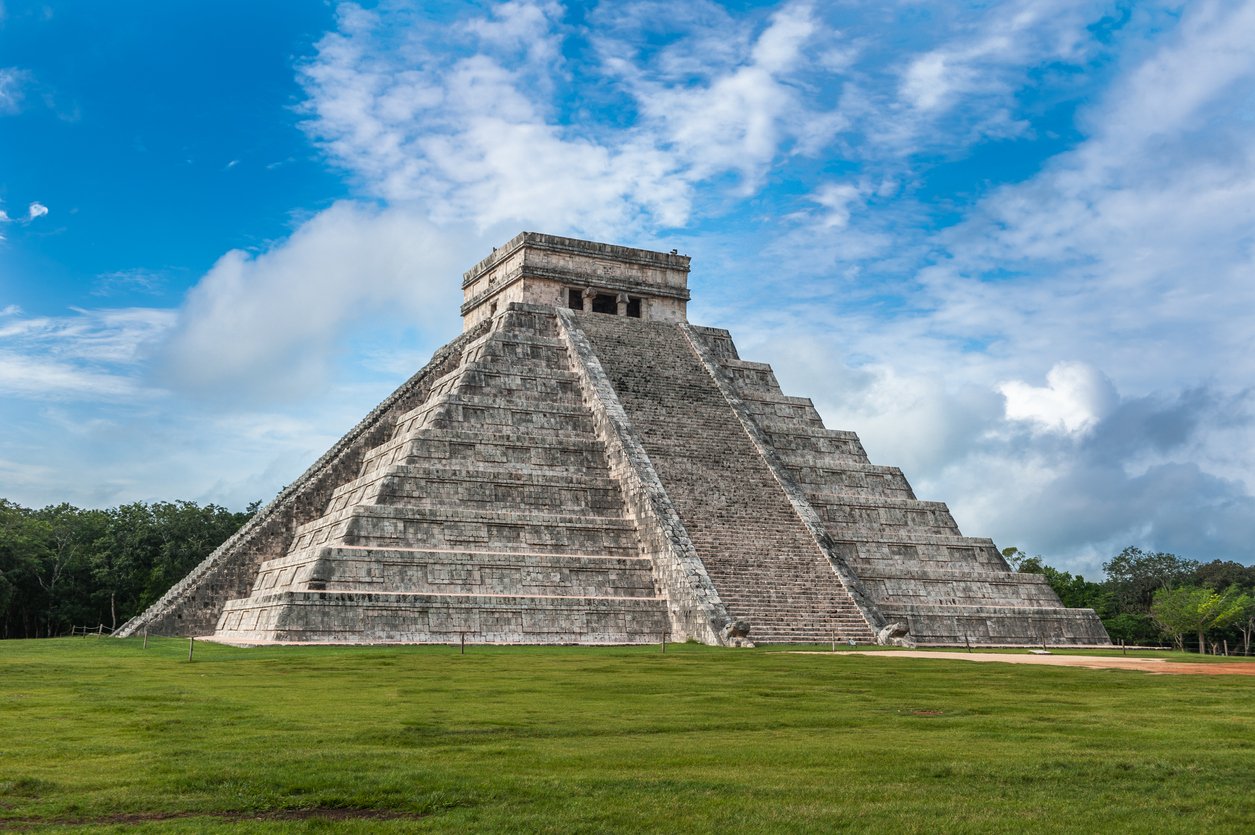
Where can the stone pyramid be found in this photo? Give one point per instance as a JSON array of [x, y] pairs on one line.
[[582, 466]]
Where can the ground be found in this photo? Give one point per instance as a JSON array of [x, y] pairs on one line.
[[102, 733]]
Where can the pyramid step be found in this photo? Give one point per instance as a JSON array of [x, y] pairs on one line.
[[365, 617], [915, 570], [384, 526], [488, 516], [537, 412], [413, 481], [604, 499], [490, 445], [463, 572], [773, 425], [846, 500], [935, 624], [836, 457], [523, 386], [457, 471]]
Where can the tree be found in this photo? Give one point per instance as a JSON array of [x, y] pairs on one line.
[[1245, 620], [1134, 575], [1187, 609], [1132, 628], [1220, 574], [1015, 557], [62, 565], [1073, 589]]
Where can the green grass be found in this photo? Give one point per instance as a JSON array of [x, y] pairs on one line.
[[101, 733]]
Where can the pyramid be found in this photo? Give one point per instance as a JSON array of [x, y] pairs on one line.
[[583, 466]]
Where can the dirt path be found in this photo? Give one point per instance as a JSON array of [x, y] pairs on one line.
[[1157, 666]]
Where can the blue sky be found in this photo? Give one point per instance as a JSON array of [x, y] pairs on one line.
[[1011, 244]]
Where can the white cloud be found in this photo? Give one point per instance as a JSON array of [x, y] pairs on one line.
[[992, 57], [110, 335], [465, 136], [90, 355], [37, 210], [133, 281], [39, 378], [744, 110], [265, 325], [1075, 397], [12, 82], [837, 200], [473, 129], [522, 26]]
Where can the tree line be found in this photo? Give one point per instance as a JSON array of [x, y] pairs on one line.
[[1147, 597], [63, 566]]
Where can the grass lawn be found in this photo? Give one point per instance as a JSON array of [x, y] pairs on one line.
[[99, 733]]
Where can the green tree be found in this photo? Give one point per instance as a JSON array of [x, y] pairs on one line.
[[1220, 574], [1134, 575], [1015, 557], [1132, 628], [1187, 609], [62, 566], [1245, 620], [1073, 589]]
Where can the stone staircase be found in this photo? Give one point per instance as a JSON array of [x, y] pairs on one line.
[[763, 561], [909, 554], [488, 514]]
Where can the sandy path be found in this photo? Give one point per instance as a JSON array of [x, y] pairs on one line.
[[1157, 666]]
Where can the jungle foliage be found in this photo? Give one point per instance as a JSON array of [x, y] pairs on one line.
[[62, 566], [1148, 596]]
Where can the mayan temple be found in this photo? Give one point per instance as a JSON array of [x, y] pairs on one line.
[[583, 466]]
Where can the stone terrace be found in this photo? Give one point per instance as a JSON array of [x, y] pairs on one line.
[[489, 514]]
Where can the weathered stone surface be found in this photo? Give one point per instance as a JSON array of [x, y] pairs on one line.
[[607, 474]]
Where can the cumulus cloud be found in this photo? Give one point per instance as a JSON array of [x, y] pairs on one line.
[[36, 210], [264, 325], [1075, 397]]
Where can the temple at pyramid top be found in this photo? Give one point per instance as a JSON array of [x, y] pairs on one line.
[[581, 275]]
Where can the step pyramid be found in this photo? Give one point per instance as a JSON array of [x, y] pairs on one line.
[[583, 466]]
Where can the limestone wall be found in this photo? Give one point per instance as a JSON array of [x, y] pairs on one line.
[[192, 606]]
